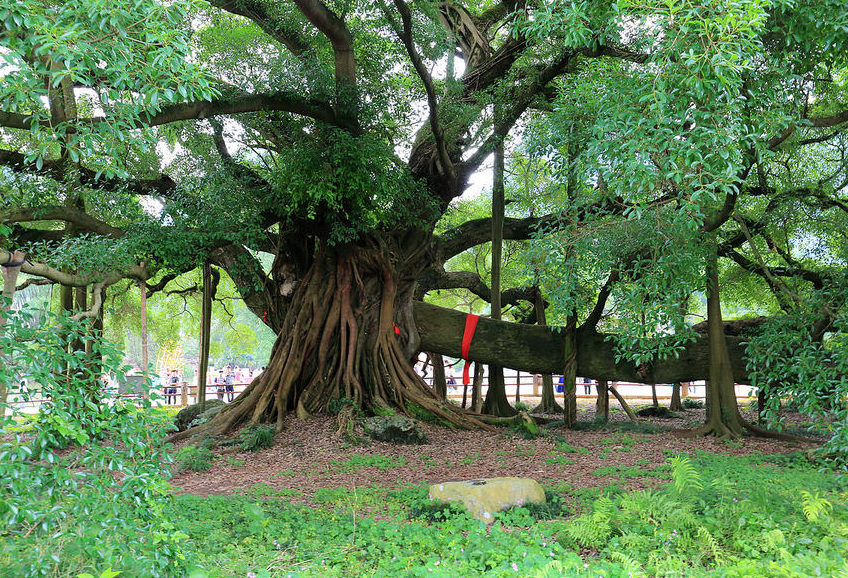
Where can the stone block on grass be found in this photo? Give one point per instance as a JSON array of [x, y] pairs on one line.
[[483, 498], [189, 413]]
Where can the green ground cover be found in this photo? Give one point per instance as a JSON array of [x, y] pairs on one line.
[[764, 516]]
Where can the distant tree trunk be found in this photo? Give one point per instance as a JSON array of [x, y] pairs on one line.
[[440, 384], [654, 399], [675, 404], [11, 270], [548, 403], [205, 330], [464, 394], [569, 374], [602, 406]]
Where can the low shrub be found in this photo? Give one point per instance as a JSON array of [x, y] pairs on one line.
[[193, 459], [690, 403], [257, 437]]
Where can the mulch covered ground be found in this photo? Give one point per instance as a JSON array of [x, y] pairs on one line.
[[307, 456]]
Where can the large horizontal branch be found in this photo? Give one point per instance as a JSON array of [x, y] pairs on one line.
[[110, 277], [67, 214], [477, 231], [541, 349], [817, 279], [816, 122], [87, 177], [281, 101], [474, 283]]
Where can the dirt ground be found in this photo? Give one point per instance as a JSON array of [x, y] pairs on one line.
[[307, 456]]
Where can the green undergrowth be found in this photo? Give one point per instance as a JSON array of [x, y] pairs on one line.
[[763, 516]]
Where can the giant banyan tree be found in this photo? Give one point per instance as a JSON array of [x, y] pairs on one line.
[[142, 140]]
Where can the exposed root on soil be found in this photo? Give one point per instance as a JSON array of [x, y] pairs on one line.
[[338, 343]]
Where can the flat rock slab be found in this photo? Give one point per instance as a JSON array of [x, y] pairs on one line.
[[482, 498]]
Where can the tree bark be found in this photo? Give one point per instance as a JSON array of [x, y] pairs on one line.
[[440, 383], [496, 402], [569, 374], [205, 330], [539, 349], [613, 390], [675, 404], [602, 406], [477, 388], [343, 336], [548, 404], [723, 417]]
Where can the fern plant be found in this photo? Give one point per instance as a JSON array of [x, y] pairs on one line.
[[684, 475], [815, 506]]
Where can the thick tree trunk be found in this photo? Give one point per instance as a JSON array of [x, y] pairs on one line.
[[723, 417], [602, 406], [342, 338], [540, 349], [497, 403], [675, 404]]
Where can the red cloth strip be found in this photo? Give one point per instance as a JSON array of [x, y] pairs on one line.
[[397, 329], [470, 326]]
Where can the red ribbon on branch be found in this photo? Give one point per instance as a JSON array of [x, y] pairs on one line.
[[468, 334], [397, 329]]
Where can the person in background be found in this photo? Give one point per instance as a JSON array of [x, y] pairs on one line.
[[220, 387], [229, 380], [587, 385], [171, 387]]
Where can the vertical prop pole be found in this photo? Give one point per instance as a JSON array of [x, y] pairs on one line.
[[144, 358], [205, 325], [569, 374]]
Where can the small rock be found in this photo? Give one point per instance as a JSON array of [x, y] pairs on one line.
[[189, 413], [482, 498], [396, 429]]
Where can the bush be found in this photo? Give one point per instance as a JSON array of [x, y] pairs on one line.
[[256, 437], [60, 510], [689, 403], [193, 459]]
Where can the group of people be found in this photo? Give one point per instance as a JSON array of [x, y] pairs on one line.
[[221, 381], [224, 380]]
